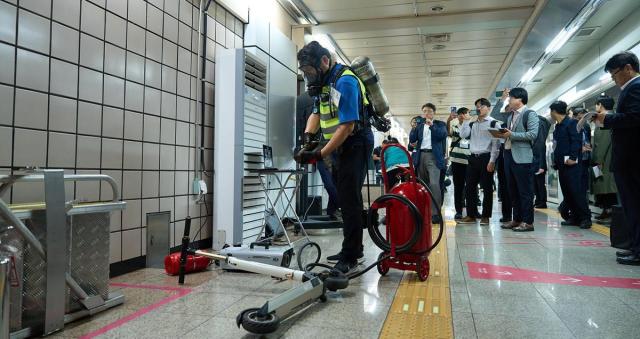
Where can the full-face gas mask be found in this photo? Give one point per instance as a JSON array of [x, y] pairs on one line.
[[315, 80]]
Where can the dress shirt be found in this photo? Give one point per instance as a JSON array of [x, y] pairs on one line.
[[426, 137], [481, 139]]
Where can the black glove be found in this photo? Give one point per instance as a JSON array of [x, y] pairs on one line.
[[308, 157], [308, 143]]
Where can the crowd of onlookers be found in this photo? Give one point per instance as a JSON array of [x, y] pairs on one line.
[[511, 139]]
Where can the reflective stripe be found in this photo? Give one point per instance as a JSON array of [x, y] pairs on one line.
[[329, 120]]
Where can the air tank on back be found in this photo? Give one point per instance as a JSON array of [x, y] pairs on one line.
[[363, 68]]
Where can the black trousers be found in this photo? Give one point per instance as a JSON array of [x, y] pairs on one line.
[[574, 205], [520, 180], [351, 169], [540, 188], [503, 189], [628, 183], [477, 173], [459, 174]]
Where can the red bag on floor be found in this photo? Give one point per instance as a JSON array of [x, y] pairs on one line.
[[195, 263]]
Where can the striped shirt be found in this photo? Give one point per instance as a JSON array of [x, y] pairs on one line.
[[459, 146]]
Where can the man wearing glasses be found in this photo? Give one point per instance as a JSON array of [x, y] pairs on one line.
[[625, 165]]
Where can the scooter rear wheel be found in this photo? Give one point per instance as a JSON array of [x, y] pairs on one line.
[[254, 323]]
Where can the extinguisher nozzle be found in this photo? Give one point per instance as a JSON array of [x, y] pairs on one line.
[[184, 250]]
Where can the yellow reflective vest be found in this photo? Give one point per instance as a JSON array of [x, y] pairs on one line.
[[329, 120]]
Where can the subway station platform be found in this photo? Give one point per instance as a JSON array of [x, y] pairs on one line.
[[485, 282]]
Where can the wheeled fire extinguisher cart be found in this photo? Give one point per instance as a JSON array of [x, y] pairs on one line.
[[407, 241]]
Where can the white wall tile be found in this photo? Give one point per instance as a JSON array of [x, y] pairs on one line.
[[64, 78], [91, 52], [33, 70], [111, 153], [114, 62], [168, 79], [8, 15], [132, 125], [182, 183], [131, 215], [186, 12], [169, 53], [154, 20], [167, 157], [182, 207], [150, 156], [33, 31], [168, 107], [168, 131], [154, 46], [115, 247], [131, 185], [6, 140], [157, 3], [62, 114], [116, 30], [31, 109], [132, 155], [153, 74], [7, 64], [6, 104], [170, 28], [62, 150], [112, 121], [118, 7], [113, 92], [182, 133], [184, 60], [90, 85], [182, 111], [184, 35], [138, 12], [167, 183], [135, 38], [88, 152], [182, 158], [151, 128], [184, 84], [64, 42], [67, 12], [89, 117], [172, 7], [134, 96], [135, 67], [131, 243], [152, 99], [167, 204], [150, 184], [92, 20], [33, 148]]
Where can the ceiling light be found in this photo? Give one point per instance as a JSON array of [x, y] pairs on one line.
[[437, 8]]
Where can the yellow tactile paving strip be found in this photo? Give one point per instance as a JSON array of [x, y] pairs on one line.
[[423, 309], [604, 230]]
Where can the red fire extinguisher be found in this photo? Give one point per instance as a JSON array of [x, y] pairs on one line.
[[195, 263]]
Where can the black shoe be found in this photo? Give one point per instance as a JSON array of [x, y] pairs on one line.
[[624, 253], [336, 257], [505, 220], [347, 267], [540, 205], [569, 223], [458, 216], [604, 215], [633, 259], [586, 224]]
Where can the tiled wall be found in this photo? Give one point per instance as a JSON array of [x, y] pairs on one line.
[[110, 87]]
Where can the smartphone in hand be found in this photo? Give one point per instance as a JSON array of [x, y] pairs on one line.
[[502, 130]]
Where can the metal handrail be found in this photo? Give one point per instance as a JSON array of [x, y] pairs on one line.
[[5, 263], [9, 180]]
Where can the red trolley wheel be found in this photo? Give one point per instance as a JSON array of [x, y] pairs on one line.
[[383, 267], [423, 269]]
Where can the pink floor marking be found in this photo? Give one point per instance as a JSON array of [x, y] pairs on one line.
[[509, 273], [181, 292]]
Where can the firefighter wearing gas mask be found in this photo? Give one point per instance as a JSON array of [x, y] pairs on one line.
[[341, 99]]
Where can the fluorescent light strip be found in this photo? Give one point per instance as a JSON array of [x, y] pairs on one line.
[[561, 39]]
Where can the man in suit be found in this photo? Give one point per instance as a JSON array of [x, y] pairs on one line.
[[625, 164], [427, 139], [540, 160], [518, 156], [567, 160]]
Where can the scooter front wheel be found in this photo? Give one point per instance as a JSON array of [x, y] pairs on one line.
[[253, 322]]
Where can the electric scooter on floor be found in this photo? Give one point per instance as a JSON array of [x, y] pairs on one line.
[[313, 287]]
